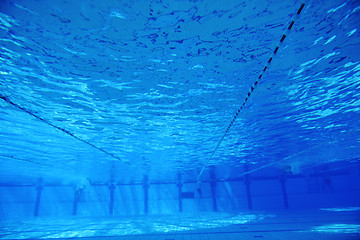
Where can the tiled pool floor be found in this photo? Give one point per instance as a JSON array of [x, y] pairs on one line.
[[319, 224]]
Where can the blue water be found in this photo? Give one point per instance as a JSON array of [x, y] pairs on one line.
[[161, 92]]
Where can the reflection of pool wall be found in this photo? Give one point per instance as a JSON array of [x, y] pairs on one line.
[[312, 189]]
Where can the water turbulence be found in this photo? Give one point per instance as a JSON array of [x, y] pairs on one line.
[[179, 117]]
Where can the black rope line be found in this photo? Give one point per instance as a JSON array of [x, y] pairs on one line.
[[301, 8], [6, 99], [250, 91], [291, 24], [24, 160]]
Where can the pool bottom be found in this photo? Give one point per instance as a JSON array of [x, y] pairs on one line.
[[319, 224]]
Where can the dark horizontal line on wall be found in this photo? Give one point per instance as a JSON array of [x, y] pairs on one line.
[[240, 179]]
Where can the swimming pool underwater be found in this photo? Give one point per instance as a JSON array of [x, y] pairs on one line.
[[179, 119]]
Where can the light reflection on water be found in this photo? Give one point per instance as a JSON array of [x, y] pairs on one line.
[[346, 209], [161, 81], [338, 228], [152, 224]]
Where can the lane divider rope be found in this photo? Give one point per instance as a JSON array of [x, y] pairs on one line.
[[6, 99], [255, 84]]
